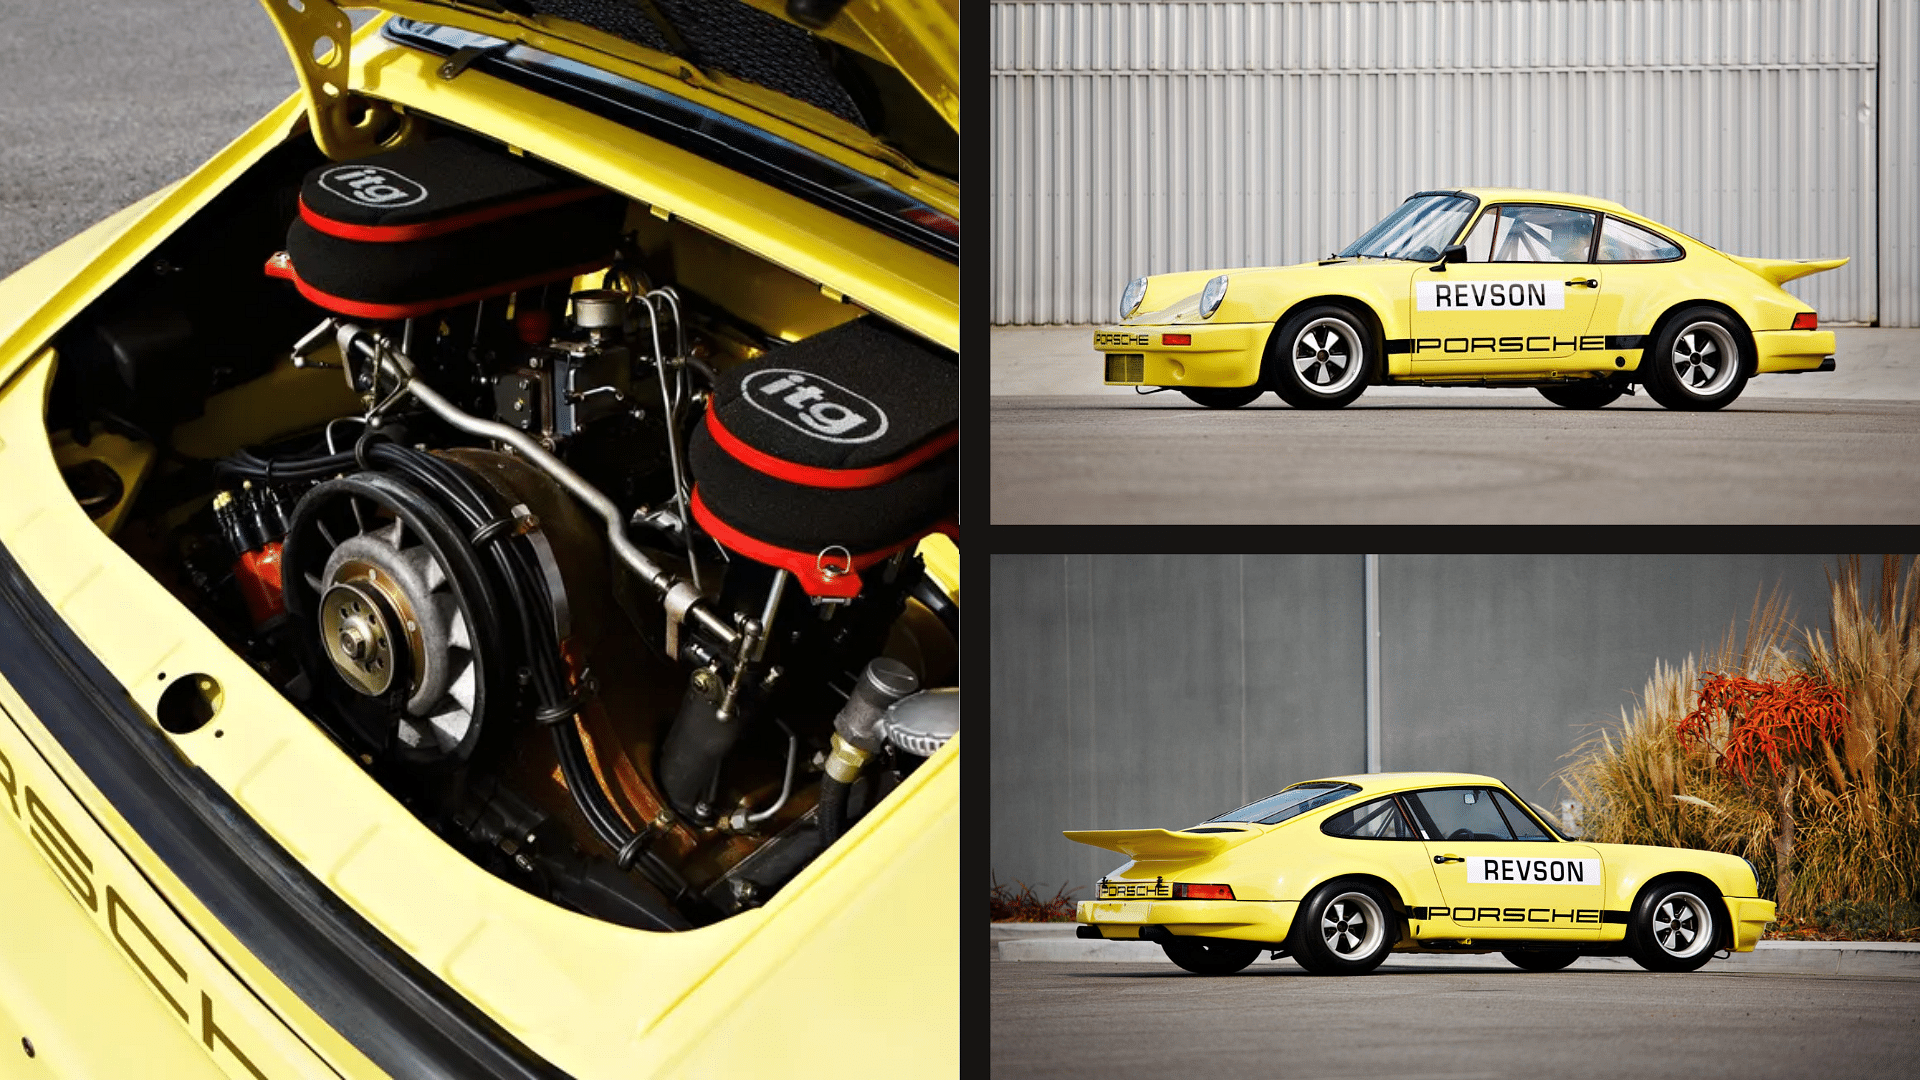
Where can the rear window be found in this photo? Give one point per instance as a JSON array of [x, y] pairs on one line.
[[1621, 242], [1292, 802]]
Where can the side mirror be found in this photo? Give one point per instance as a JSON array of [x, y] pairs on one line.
[[1455, 253]]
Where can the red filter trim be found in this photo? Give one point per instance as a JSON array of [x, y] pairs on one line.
[[389, 234], [803, 565], [813, 475], [277, 267]]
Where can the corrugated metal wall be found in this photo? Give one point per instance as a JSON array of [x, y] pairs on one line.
[[1143, 136], [1900, 163]]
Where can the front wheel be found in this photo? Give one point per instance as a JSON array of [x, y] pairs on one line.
[[1695, 364], [1222, 397], [1210, 956], [1540, 959], [1344, 928], [1674, 928], [1318, 359], [1581, 395]]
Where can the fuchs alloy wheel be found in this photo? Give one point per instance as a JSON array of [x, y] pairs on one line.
[[1540, 959], [1593, 394], [1696, 364], [1343, 928], [1223, 397], [1318, 359], [1210, 956], [1674, 928]]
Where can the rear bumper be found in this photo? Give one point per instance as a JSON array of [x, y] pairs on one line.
[[1240, 920], [1793, 350], [1750, 919], [1224, 355]]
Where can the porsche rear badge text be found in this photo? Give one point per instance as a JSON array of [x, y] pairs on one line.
[[1119, 339], [1486, 869], [129, 933], [1489, 295]]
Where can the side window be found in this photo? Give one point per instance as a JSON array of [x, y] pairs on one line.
[[1524, 827], [1378, 820], [1621, 242], [1531, 234], [1459, 814]]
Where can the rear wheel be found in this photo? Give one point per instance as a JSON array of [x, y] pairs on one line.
[[1210, 956], [1540, 959], [1343, 928], [1222, 397], [1318, 359], [1695, 364], [1581, 395], [1674, 928]]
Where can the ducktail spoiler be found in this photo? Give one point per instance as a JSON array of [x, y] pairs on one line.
[[1781, 271], [1160, 844]]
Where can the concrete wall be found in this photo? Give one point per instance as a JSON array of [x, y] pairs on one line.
[[1159, 690]]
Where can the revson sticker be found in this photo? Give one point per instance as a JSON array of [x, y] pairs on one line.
[[814, 406], [1490, 295], [1489, 870], [372, 185]]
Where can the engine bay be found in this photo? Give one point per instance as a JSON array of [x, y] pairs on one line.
[[623, 559]]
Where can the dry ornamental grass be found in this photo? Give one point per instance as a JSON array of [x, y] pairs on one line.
[[1806, 763]]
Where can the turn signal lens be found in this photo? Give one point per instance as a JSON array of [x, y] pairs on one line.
[[1202, 892], [1806, 320], [1176, 339]]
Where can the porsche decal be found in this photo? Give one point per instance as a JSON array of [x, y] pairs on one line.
[[1488, 295], [1537, 916], [1488, 870]]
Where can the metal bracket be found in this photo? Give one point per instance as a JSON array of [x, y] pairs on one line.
[[678, 600], [464, 57], [317, 35]]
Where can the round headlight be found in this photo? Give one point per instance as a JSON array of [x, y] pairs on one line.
[[1210, 297], [1131, 296]]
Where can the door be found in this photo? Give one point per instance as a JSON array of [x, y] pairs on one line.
[[1521, 302], [1501, 875]]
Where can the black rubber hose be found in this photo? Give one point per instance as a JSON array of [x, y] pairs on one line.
[[833, 810]]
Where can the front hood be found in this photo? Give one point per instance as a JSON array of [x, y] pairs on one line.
[[885, 68], [1175, 297]]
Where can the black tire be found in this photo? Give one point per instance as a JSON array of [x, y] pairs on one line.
[[1674, 927], [1319, 358], [1540, 959], [1223, 397], [1593, 394], [1210, 956], [1343, 928], [1696, 363]]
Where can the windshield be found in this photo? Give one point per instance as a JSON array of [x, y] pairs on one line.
[[719, 138], [1297, 799], [1418, 230]]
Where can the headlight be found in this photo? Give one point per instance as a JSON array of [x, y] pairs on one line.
[[1131, 296], [1211, 296]]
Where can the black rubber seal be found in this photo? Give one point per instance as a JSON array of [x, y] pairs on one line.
[[392, 1009]]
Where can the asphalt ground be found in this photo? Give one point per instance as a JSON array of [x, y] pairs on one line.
[[1403, 1022], [101, 104]]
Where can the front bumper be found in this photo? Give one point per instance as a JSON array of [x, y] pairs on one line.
[[1750, 919], [1227, 354], [1793, 350], [1240, 920]]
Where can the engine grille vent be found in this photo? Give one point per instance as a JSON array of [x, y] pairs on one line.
[[1126, 367]]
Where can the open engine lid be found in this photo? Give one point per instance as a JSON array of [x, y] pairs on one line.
[[885, 70]]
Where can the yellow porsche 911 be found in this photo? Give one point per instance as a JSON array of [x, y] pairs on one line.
[[1574, 295], [1338, 873], [478, 564]]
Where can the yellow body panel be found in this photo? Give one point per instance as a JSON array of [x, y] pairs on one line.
[[1272, 868], [1600, 328]]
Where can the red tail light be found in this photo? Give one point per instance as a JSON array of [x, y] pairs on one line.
[[1806, 320], [1202, 892], [1176, 339]]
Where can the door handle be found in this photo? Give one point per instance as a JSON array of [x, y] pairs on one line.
[[1448, 858], [1587, 281]]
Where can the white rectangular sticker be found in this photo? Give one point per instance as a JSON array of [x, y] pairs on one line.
[[1491, 295], [1108, 911], [1491, 870]]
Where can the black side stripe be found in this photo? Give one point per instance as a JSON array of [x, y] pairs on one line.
[[1399, 345], [1626, 341]]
